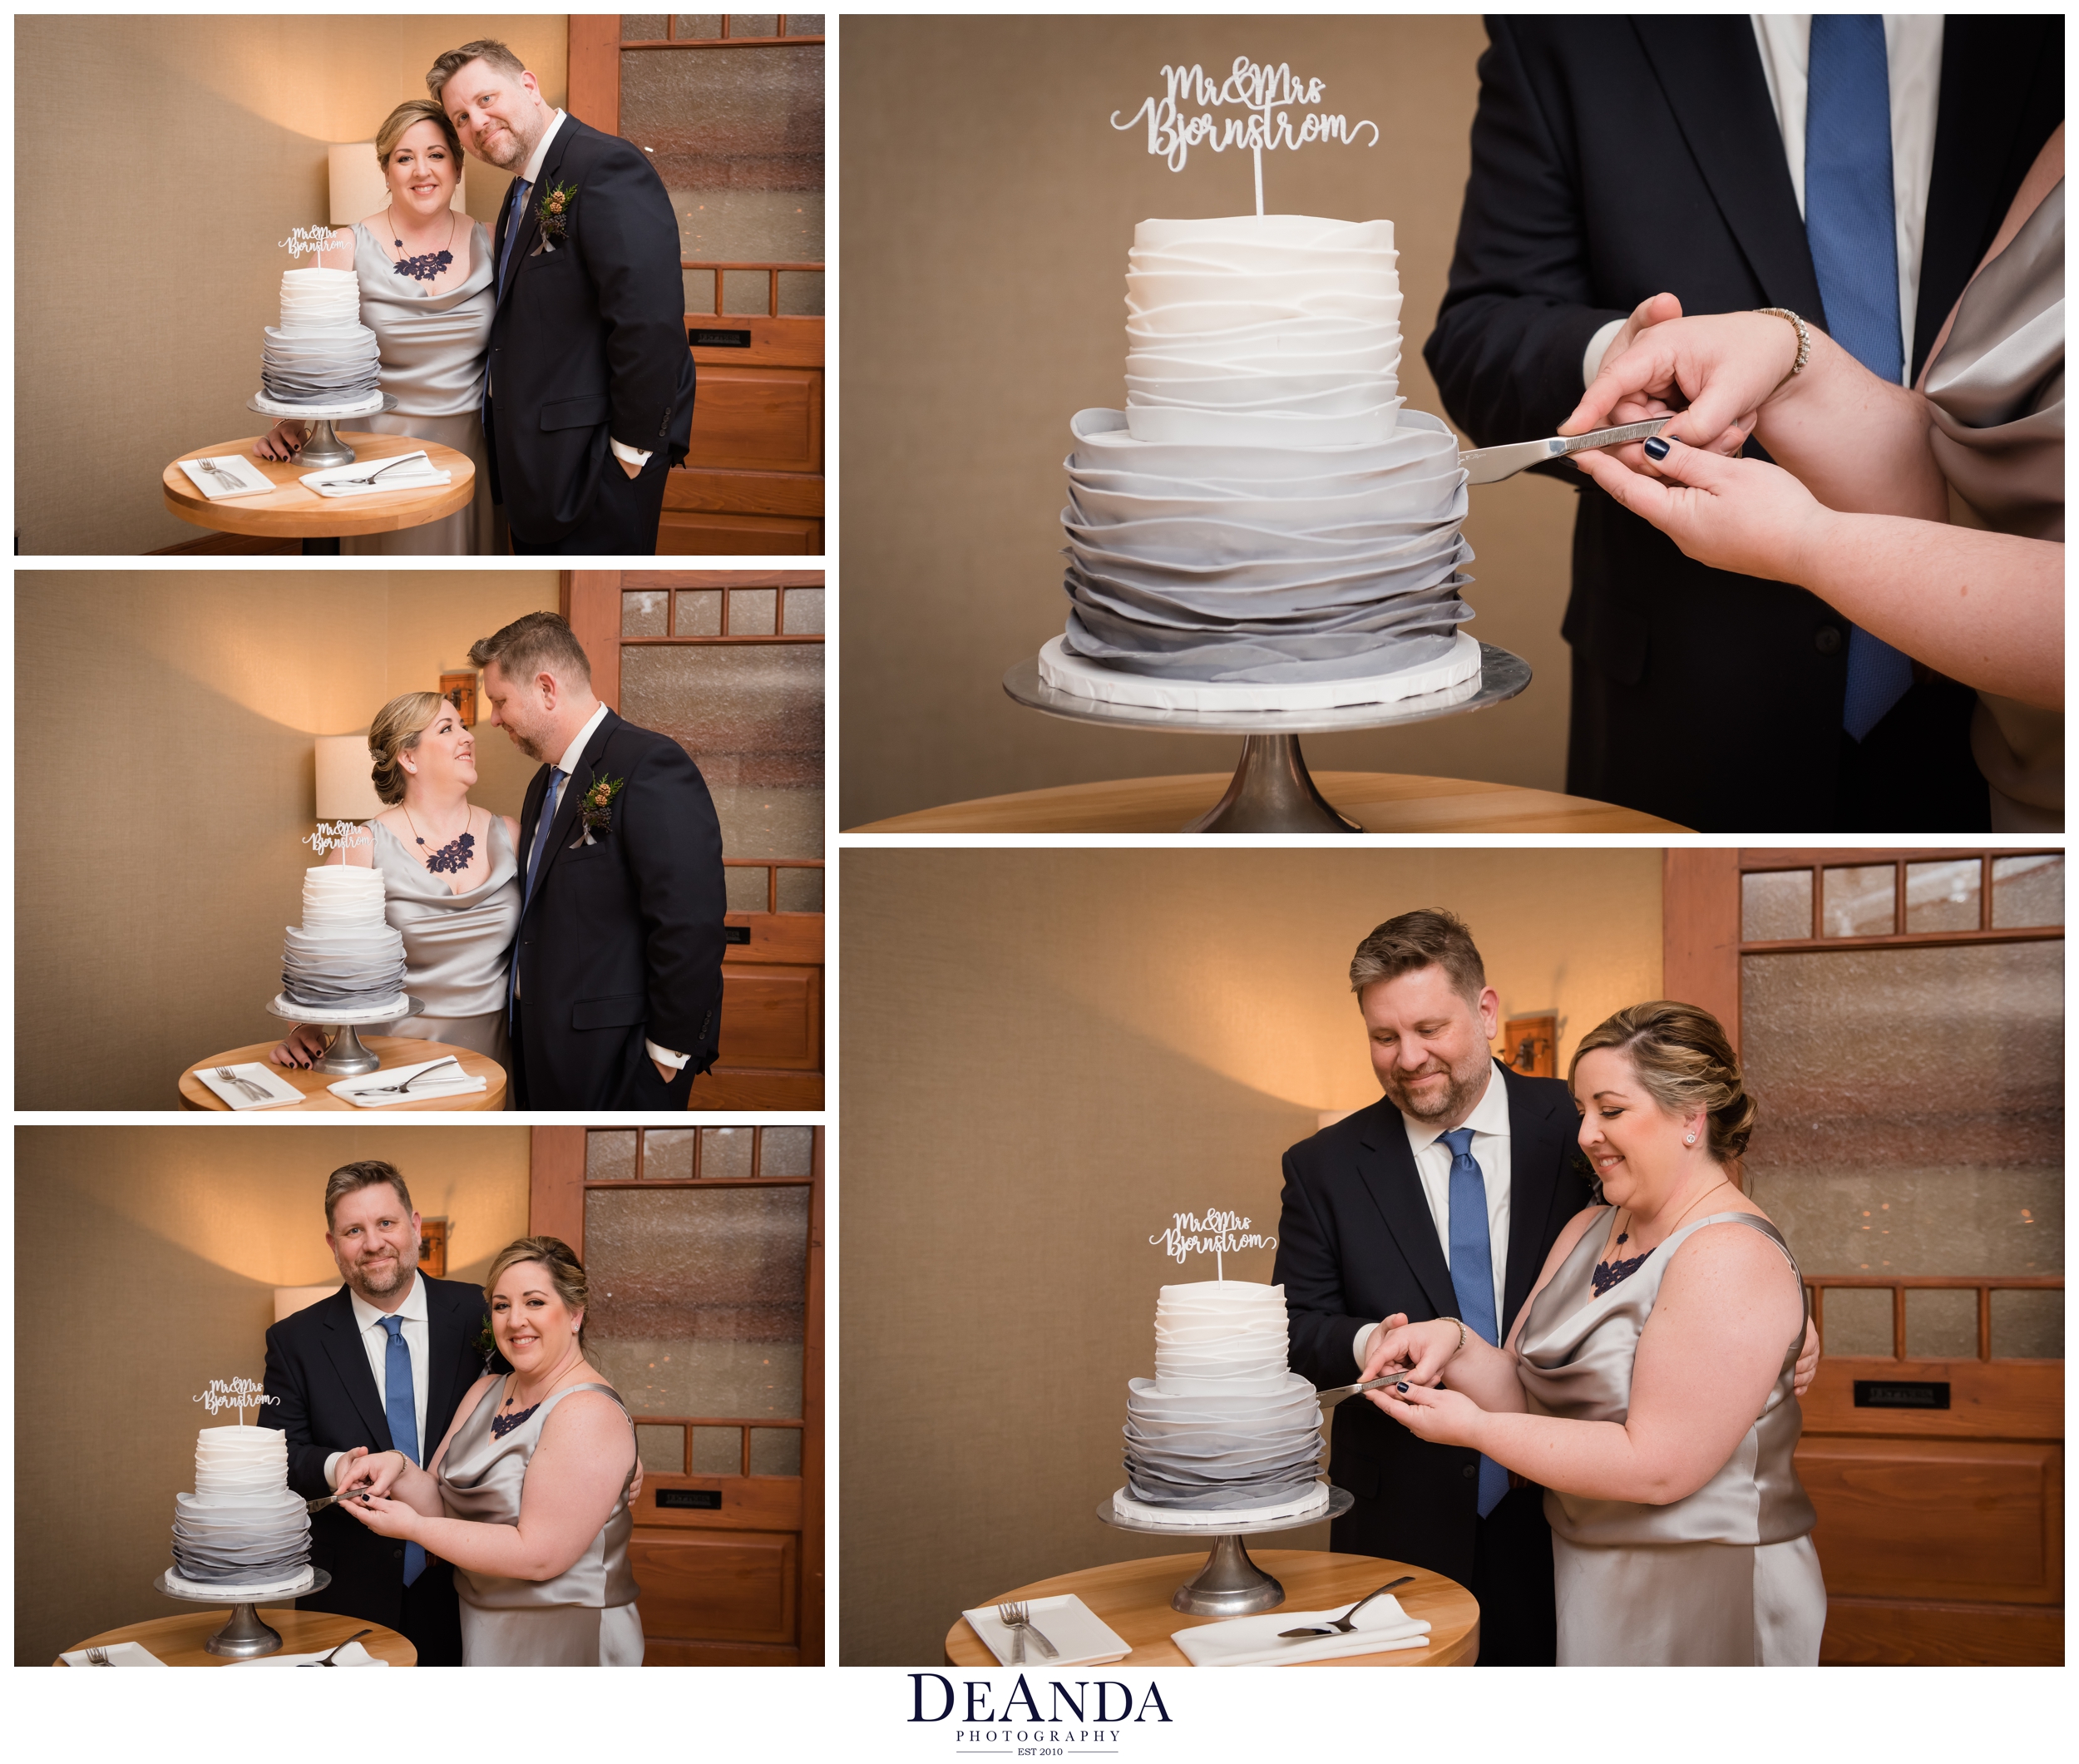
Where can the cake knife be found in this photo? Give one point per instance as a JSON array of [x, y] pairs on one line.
[[1491, 465], [1343, 1392]]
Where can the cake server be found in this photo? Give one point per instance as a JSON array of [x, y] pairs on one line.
[[1491, 465]]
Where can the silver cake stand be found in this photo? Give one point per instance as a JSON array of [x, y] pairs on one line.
[[324, 449], [345, 1057], [1230, 1584], [243, 1636], [1270, 792]]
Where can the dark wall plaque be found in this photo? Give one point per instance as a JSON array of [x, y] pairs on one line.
[[730, 933], [721, 339], [711, 1498], [1884, 1393]]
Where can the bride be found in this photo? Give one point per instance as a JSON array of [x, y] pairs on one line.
[[425, 292], [528, 1495], [451, 880]]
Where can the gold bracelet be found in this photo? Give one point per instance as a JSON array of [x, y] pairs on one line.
[[1803, 342], [1460, 1348]]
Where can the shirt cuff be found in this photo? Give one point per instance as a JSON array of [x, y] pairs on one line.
[[1357, 1348], [1598, 346], [628, 455], [664, 1056], [331, 1464]]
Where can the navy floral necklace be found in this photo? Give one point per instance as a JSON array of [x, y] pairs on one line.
[[1604, 1275], [453, 857], [428, 267]]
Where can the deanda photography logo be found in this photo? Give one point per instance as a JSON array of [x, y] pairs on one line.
[[1033, 1718]]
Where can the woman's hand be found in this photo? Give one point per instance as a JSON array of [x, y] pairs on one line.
[[284, 441], [385, 1518], [373, 1473], [1423, 1349], [1742, 515], [1440, 1417], [303, 1047], [1715, 373]]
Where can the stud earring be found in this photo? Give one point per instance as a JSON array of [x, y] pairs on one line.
[[1690, 1140]]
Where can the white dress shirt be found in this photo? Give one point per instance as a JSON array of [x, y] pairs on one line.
[[1490, 1122], [375, 1340], [533, 174], [567, 765], [1912, 59]]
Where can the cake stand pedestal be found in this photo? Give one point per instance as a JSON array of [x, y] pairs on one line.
[[345, 1057], [243, 1636], [1229, 1585], [1270, 792], [323, 449]]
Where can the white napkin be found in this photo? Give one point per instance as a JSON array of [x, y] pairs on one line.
[[251, 481], [1083, 1637], [280, 1093], [338, 480], [361, 1091], [352, 1654], [1252, 1640], [121, 1654]]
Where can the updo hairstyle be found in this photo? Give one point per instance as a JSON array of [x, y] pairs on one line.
[[412, 112], [395, 733], [558, 1260], [1684, 1062]]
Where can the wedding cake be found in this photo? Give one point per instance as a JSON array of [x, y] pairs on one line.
[[244, 1534], [1225, 1434], [345, 956], [1264, 526], [322, 354]]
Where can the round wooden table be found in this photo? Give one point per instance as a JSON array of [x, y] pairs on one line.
[[393, 1051], [178, 1640], [1134, 1598], [1379, 801], [292, 511]]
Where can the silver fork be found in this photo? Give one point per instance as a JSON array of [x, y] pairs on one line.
[[1018, 1619], [98, 1656], [385, 1090], [229, 1077], [219, 474]]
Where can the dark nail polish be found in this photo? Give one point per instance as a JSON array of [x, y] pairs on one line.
[[1400, 1387], [1656, 449]]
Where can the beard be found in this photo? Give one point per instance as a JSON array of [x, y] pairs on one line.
[[374, 1283], [1453, 1102], [503, 148]]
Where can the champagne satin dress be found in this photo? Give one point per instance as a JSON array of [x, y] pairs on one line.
[[586, 1616], [457, 946], [1727, 1576]]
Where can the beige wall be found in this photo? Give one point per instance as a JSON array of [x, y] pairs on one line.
[[988, 207], [1047, 1053], [145, 1259], [160, 160], [165, 772]]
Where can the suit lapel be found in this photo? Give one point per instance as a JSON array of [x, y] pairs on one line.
[[564, 828], [349, 1358], [1388, 1172], [1711, 72], [1537, 1152], [529, 220], [448, 1316]]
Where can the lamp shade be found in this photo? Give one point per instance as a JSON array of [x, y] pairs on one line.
[[357, 187], [345, 790], [289, 1300]]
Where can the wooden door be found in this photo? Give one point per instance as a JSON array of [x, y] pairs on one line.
[[1899, 1018], [729, 664], [703, 1249], [730, 109]]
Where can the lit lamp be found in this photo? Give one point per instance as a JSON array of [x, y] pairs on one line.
[[358, 188], [289, 1300], [346, 790]]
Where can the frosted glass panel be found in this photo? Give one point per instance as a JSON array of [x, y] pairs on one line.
[[642, 613], [750, 890], [1860, 900], [1857, 1320], [1912, 1108], [1941, 1325], [1942, 896], [804, 614], [776, 1451], [668, 1154], [1775, 905], [699, 613], [726, 1152], [801, 891], [2027, 891], [754, 24], [717, 1451], [804, 24], [646, 28], [692, 26], [737, 134], [699, 1297], [609, 1156], [752, 611], [663, 1450], [787, 1151], [2029, 1326], [752, 716]]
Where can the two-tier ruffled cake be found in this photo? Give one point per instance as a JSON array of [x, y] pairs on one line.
[[244, 1534], [1264, 526]]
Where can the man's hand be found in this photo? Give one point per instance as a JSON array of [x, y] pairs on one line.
[[669, 1073], [1808, 1361], [635, 1482], [1421, 1350], [632, 471]]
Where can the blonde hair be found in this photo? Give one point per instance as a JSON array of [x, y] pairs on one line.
[[558, 1260], [395, 733], [412, 112], [1684, 1061], [488, 50]]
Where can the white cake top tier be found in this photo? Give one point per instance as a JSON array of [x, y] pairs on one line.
[[1262, 329], [235, 1463], [315, 301], [342, 897], [1221, 1337]]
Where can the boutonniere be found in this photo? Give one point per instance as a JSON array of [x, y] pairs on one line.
[[552, 211], [596, 809], [486, 1343]]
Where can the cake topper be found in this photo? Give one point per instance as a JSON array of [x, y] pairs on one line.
[[1269, 95], [238, 1393], [306, 241], [333, 836], [1214, 1233]]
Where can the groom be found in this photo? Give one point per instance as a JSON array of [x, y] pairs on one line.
[[381, 1363], [588, 381], [616, 972]]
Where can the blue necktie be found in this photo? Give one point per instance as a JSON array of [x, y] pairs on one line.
[[521, 186], [1849, 224], [556, 776], [1473, 1276], [400, 1408]]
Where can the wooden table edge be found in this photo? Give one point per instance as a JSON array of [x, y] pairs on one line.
[[187, 503], [197, 1098]]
